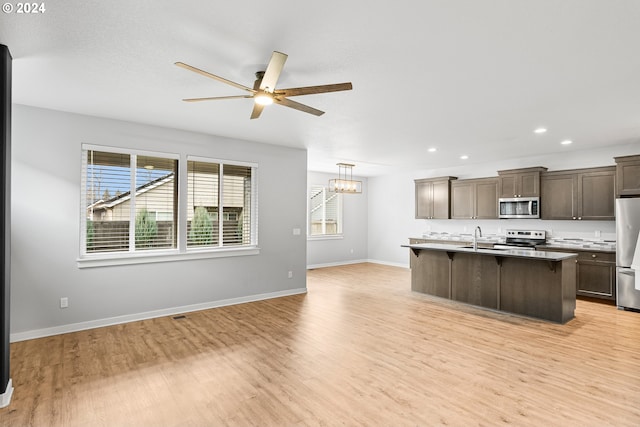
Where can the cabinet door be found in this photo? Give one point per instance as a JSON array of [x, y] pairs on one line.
[[440, 200], [558, 196], [596, 195], [596, 279], [424, 200], [486, 199], [628, 178], [508, 187], [462, 200], [529, 184]]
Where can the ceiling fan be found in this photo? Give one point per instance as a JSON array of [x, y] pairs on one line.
[[264, 90]]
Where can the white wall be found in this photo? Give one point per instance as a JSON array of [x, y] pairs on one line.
[[392, 203], [352, 247], [46, 215]]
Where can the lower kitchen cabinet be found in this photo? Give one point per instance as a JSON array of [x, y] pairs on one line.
[[595, 273]]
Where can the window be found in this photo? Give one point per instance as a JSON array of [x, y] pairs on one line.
[[118, 219], [131, 204], [325, 212], [214, 185]]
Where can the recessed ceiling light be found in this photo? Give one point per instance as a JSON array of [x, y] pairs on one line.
[[566, 142], [464, 157], [540, 130], [431, 150]]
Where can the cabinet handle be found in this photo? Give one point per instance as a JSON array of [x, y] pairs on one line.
[[574, 217], [579, 218], [593, 256]]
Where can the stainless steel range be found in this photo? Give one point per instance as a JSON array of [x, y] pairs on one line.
[[523, 239]]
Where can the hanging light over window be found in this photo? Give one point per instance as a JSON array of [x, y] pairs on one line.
[[345, 183]]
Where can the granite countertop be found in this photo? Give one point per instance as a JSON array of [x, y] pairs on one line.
[[515, 253], [601, 245]]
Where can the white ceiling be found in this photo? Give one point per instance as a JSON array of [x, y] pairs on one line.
[[465, 76]]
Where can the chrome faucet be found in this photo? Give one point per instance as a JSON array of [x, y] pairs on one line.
[[475, 237]]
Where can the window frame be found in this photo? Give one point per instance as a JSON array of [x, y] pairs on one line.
[[180, 252], [340, 214]]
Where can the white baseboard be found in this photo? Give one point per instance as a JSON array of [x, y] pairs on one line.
[[5, 398], [92, 324]]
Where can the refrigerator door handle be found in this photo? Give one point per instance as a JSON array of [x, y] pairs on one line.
[[626, 270]]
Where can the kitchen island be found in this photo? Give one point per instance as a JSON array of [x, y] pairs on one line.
[[538, 284]]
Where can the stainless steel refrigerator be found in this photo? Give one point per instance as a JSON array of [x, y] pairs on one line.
[[627, 229]]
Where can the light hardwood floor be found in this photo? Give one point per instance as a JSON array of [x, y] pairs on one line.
[[358, 349]]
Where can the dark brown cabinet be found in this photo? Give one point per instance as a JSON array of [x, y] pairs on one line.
[[520, 182], [595, 273], [433, 197], [474, 199], [627, 176], [579, 194]]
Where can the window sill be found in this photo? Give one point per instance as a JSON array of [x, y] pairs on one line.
[[165, 256], [325, 237]]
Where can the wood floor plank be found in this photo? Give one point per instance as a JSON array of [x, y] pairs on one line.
[[358, 349]]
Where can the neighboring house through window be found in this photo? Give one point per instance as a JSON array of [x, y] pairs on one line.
[[325, 212]]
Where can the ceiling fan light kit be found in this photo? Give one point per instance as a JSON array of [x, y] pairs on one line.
[[264, 90], [263, 99], [345, 182]]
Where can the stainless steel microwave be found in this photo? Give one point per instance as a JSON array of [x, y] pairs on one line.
[[519, 207]]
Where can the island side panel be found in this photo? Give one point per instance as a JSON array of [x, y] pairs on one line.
[[569, 288], [538, 288], [474, 279], [430, 272]]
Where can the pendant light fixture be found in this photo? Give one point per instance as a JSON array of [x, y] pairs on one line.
[[345, 183]]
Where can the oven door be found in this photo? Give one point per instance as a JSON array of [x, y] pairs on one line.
[[520, 207]]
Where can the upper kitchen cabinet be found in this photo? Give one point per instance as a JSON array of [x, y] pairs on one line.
[[579, 194], [474, 199], [433, 197], [627, 176], [520, 182]]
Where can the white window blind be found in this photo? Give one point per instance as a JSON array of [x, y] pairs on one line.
[[156, 203], [236, 206], [107, 192], [325, 212], [221, 197], [118, 219], [202, 221]]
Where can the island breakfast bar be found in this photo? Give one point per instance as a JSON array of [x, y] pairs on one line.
[[538, 284]]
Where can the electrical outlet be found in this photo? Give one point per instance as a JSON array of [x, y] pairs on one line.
[[64, 302], [290, 274]]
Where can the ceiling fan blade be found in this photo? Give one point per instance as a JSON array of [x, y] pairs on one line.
[[310, 90], [257, 110], [272, 73], [214, 98], [213, 76], [297, 106]]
